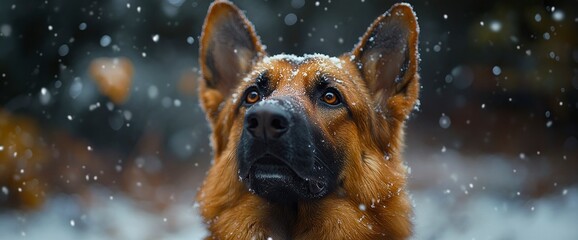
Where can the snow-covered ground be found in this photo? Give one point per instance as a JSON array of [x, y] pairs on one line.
[[116, 217], [490, 217], [454, 198], [437, 217], [489, 196]]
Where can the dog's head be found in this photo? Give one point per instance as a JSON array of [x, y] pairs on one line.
[[295, 128]]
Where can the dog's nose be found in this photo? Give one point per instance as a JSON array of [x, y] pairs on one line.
[[267, 121]]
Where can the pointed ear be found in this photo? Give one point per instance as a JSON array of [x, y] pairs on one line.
[[387, 57], [228, 49]]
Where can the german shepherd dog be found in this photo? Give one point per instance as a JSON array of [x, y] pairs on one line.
[[307, 147]]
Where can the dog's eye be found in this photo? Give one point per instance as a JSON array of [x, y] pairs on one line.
[[330, 97], [252, 97]]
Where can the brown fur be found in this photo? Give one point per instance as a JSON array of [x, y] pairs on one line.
[[370, 135]]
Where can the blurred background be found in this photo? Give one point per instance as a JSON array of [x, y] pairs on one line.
[[102, 137]]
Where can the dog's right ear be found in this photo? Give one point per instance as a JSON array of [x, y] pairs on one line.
[[228, 49]]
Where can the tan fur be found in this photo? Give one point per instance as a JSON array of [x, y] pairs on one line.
[[371, 202]]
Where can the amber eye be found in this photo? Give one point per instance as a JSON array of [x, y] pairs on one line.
[[330, 98], [252, 97]]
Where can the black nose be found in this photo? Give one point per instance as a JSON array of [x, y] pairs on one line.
[[267, 121]]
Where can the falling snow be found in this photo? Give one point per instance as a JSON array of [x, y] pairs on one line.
[[496, 70], [63, 50], [445, 121], [44, 96], [290, 19], [105, 40], [558, 15], [5, 30], [495, 26], [190, 40]]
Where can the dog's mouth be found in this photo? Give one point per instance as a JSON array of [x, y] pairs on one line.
[[274, 179], [270, 168]]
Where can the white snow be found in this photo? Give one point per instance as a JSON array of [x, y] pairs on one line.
[[445, 121], [190, 40], [63, 50], [439, 216], [301, 59], [105, 40], [496, 70], [5, 30], [290, 19], [558, 15], [538, 17], [484, 197], [75, 88], [64, 217], [495, 26], [44, 96], [153, 91]]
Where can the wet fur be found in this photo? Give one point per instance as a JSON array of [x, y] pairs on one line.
[[367, 133]]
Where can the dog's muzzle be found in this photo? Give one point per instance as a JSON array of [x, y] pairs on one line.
[[277, 154]]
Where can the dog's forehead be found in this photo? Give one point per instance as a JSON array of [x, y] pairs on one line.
[[291, 72]]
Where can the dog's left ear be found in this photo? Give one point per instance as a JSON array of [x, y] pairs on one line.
[[387, 57], [228, 49]]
